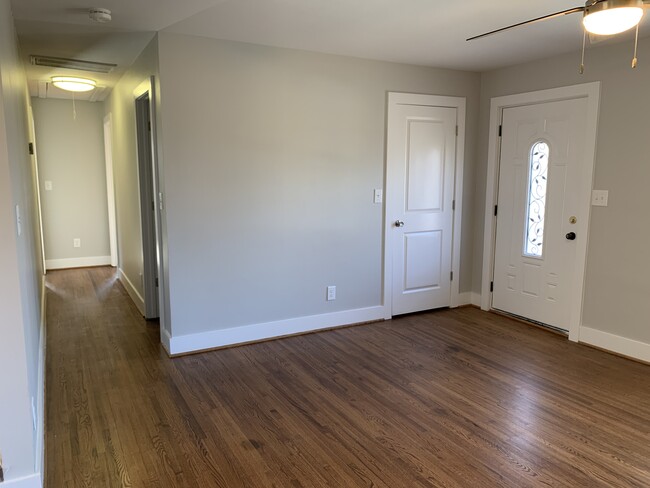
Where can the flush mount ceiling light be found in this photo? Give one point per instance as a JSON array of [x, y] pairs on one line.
[[600, 17], [73, 84]]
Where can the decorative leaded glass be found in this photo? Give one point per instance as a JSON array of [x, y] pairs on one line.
[[537, 181]]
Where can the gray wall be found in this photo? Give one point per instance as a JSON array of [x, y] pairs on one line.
[[271, 157], [20, 269], [71, 156], [617, 289]]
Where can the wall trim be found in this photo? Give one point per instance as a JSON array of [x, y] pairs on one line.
[[131, 290], [268, 330], [77, 262], [615, 343], [31, 481], [590, 91], [39, 462]]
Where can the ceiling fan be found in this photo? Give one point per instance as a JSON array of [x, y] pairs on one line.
[[600, 17]]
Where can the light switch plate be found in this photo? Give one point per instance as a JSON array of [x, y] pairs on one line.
[[599, 198], [378, 195], [48, 185]]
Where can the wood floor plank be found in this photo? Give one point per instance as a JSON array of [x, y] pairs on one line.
[[450, 398]]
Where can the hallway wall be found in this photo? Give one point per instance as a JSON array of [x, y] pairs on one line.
[[21, 276], [71, 157]]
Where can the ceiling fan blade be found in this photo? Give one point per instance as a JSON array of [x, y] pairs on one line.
[[532, 21]]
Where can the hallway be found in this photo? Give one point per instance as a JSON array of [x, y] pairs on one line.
[[454, 398]]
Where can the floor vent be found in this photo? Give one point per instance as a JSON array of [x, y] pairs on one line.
[[69, 63]]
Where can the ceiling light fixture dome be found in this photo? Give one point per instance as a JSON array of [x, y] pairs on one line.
[[74, 84], [610, 17]]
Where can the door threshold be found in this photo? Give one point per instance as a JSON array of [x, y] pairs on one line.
[[534, 323]]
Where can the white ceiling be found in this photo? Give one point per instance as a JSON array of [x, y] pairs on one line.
[[424, 32]]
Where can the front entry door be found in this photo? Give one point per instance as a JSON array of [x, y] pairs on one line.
[[542, 148], [420, 185]]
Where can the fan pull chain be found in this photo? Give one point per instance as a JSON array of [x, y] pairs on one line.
[[582, 59], [74, 108], [636, 43]]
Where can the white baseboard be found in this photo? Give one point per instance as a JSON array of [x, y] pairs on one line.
[[131, 290], [31, 481], [77, 262], [39, 463], [469, 298], [618, 344], [165, 339], [268, 330]]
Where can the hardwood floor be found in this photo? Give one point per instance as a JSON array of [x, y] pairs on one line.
[[452, 398]]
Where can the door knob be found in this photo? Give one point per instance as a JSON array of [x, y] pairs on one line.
[[399, 223], [571, 236]]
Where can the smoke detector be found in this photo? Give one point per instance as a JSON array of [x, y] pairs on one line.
[[100, 15]]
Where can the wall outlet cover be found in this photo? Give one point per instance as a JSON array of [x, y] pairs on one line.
[[331, 293]]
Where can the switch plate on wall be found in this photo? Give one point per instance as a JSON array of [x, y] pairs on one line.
[[599, 198], [76, 242], [331, 293], [378, 195], [48, 185]]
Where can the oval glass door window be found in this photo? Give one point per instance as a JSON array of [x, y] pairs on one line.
[[536, 204]]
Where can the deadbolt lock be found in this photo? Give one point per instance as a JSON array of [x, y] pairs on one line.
[[572, 220]]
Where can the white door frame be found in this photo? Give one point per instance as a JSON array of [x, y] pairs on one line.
[[110, 187], [590, 91], [459, 103], [148, 88]]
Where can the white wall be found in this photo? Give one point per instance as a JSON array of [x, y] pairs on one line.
[[121, 104], [71, 157], [21, 342], [271, 158], [617, 288]]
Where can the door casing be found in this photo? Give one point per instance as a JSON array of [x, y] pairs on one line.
[[590, 91], [459, 103]]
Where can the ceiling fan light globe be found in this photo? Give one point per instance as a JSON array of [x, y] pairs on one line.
[[612, 21], [70, 83]]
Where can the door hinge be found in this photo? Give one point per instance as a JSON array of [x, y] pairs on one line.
[[500, 130], [496, 210], [156, 282], [31, 148], [149, 125], [453, 204], [456, 131], [451, 276], [491, 285]]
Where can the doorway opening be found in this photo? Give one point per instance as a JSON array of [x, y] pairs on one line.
[[146, 173]]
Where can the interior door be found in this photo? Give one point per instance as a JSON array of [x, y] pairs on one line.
[[420, 176], [542, 149]]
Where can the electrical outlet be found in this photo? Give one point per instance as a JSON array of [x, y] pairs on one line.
[[331, 293], [76, 242]]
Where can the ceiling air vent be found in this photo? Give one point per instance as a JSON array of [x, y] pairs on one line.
[[71, 64]]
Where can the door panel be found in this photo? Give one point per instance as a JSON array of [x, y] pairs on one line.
[[421, 166], [541, 151], [423, 260]]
